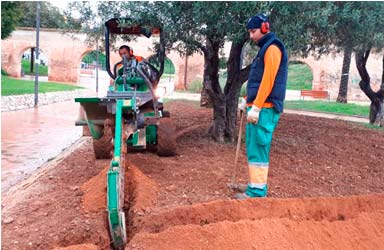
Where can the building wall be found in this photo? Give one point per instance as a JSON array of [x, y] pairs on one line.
[[65, 51]]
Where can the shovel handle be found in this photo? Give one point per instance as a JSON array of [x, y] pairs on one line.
[[234, 175]]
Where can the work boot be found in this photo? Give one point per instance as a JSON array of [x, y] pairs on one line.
[[241, 196], [242, 187], [237, 187]]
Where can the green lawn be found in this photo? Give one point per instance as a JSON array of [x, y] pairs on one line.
[[329, 107], [10, 86], [299, 76], [25, 64]]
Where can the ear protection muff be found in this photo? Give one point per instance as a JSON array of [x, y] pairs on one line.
[[264, 28], [130, 52]]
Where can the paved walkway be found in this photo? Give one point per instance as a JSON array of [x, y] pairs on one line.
[[32, 137], [327, 115]]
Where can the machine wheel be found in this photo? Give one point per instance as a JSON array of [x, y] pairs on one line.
[[166, 113], [86, 131], [166, 138], [103, 147]]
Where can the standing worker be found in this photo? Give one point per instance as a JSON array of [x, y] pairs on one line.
[[263, 103]]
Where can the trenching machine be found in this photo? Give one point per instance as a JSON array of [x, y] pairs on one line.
[[130, 117]]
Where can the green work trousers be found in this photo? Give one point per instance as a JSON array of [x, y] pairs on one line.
[[258, 142]]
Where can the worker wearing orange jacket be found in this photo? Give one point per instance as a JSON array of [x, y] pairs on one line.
[[264, 102], [126, 51]]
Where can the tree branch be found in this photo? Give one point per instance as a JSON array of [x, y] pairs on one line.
[[244, 74], [382, 77], [361, 61]]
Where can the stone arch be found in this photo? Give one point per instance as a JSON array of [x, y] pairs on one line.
[[81, 56], [317, 71], [19, 54], [42, 51], [195, 68], [64, 54], [303, 61], [167, 80], [13, 60]]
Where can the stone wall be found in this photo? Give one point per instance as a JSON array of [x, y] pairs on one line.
[[326, 73], [195, 71], [65, 51], [17, 102]]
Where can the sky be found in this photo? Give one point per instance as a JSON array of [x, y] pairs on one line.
[[60, 3]]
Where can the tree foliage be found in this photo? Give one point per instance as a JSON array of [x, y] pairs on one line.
[[50, 16], [10, 15], [315, 28]]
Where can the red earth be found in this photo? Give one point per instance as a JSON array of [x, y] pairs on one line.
[[326, 184]]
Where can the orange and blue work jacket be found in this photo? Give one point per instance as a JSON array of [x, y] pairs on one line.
[[268, 75]]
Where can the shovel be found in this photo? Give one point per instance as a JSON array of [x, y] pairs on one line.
[[233, 184]]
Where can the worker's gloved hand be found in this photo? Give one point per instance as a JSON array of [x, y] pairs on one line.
[[242, 105], [253, 114]]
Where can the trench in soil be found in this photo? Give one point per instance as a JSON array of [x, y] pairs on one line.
[[140, 194]]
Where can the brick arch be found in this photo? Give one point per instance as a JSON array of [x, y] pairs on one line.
[[309, 66], [64, 53], [19, 54], [195, 68], [167, 55], [82, 54], [22, 50]]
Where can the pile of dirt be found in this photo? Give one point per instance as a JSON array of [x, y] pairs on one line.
[[79, 247], [362, 232], [95, 192], [317, 209], [182, 202]]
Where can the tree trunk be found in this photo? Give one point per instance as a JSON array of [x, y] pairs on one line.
[[236, 78], [205, 100], [213, 89], [376, 113], [382, 77], [186, 72], [343, 89]]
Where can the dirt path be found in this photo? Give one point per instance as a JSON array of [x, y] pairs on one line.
[[182, 202]]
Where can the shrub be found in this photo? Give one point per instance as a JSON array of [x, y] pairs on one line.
[[196, 86]]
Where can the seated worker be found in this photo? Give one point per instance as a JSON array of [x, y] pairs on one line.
[[125, 50]]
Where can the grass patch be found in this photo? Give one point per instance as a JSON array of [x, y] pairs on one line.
[[26, 66], [196, 86], [10, 86], [371, 126], [299, 76], [329, 107]]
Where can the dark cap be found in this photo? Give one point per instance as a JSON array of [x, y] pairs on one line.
[[256, 21]]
